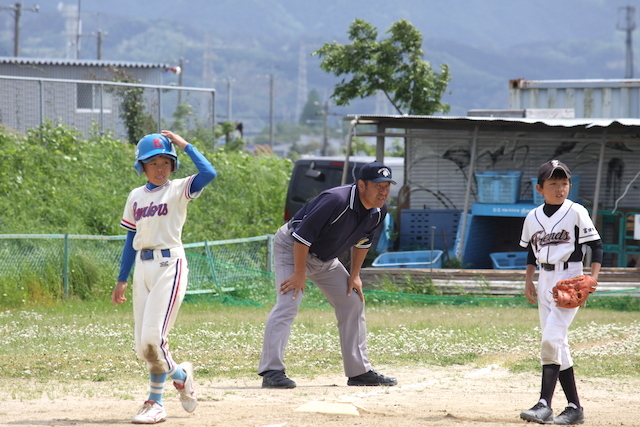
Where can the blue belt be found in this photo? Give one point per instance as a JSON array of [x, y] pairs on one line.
[[147, 254]]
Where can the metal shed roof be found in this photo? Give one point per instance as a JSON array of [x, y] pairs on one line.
[[601, 130], [422, 122], [78, 62]]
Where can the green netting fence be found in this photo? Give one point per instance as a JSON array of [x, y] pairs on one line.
[[230, 272]]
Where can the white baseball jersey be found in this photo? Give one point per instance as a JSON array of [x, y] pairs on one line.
[[553, 239], [157, 215]]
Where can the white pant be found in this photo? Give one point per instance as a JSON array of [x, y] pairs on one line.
[[554, 320], [159, 286]]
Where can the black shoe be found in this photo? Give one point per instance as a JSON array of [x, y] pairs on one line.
[[372, 378], [276, 379], [540, 413], [570, 416]]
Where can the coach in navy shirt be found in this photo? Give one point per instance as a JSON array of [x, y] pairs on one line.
[[307, 247]]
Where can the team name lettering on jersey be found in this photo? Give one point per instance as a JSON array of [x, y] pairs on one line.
[[151, 210], [542, 239]]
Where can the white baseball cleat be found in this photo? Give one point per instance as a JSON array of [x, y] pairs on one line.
[[187, 390], [150, 413]]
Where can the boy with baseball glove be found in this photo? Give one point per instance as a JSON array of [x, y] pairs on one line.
[[556, 234]]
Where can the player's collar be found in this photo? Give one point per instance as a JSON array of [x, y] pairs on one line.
[[152, 187]]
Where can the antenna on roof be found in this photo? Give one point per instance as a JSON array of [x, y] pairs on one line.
[[627, 23]]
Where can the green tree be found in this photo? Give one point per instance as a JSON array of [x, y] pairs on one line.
[[394, 66], [310, 115], [54, 181], [132, 108], [360, 147]]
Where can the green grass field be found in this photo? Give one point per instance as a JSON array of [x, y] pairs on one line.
[[94, 341]]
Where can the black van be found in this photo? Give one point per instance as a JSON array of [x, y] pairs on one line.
[[312, 175]]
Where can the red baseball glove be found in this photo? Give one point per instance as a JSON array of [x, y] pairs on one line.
[[573, 292]]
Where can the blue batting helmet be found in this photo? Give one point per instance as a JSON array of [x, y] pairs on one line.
[[154, 145]]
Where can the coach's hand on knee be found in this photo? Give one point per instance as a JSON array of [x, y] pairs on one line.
[[354, 284], [296, 283]]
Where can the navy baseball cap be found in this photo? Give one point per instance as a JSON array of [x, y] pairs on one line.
[[375, 172], [548, 168]]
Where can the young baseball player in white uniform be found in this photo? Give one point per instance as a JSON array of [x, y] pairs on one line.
[[154, 216], [555, 234]]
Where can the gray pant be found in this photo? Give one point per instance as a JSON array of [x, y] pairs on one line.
[[331, 278]]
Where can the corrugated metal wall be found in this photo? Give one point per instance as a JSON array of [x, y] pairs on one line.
[[27, 103], [588, 98], [438, 163]]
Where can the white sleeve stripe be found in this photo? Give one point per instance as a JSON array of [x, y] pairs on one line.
[[187, 189], [301, 240]]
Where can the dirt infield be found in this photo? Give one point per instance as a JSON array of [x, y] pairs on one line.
[[427, 396]]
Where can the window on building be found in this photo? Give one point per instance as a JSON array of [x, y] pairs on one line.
[[89, 96]]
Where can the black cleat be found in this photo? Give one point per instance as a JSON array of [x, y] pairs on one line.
[[570, 416], [540, 413], [277, 379], [372, 378]]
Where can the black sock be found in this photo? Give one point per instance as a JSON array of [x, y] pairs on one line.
[[568, 383], [549, 381]]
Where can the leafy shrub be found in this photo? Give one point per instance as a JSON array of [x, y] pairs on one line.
[[54, 181]]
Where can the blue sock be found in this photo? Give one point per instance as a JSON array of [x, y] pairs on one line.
[[178, 374], [156, 387]]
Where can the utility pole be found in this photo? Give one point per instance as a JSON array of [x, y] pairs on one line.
[[181, 68], [99, 36], [627, 23], [325, 137], [79, 31], [17, 12], [271, 110], [325, 126], [302, 90], [229, 80]]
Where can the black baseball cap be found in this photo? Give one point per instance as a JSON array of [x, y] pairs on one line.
[[548, 168], [375, 172]]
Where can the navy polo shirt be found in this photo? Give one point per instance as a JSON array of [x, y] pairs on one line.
[[336, 220]]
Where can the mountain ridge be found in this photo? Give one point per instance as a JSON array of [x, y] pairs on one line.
[[485, 44]]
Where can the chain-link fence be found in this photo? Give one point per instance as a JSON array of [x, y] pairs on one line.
[[233, 272], [27, 102], [78, 265]]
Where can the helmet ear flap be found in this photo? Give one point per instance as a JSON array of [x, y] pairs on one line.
[[176, 164], [174, 156]]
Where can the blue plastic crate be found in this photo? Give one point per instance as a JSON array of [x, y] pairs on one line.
[[509, 260], [498, 186], [409, 259], [416, 228], [573, 193]]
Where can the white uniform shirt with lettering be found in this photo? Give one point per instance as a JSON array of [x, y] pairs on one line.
[[553, 239], [157, 215]]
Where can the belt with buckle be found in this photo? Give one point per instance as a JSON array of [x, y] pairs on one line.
[[552, 267], [147, 254]]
